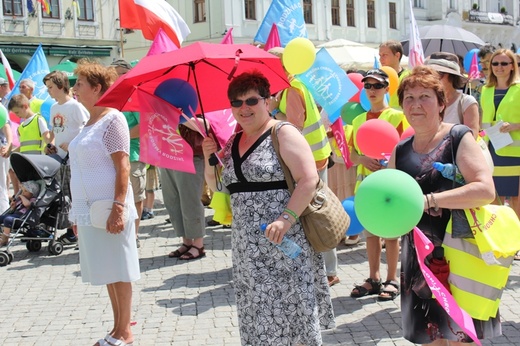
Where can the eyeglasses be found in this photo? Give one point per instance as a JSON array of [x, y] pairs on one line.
[[252, 101], [376, 86], [501, 63]]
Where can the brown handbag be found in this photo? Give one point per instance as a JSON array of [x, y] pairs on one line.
[[324, 221]]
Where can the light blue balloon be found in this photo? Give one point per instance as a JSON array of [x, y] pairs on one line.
[[355, 226]]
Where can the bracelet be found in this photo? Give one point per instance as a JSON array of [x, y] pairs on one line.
[[285, 217], [435, 205], [275, 111], [292, 213], [120, 203]]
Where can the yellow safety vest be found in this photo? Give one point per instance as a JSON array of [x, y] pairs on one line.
[[394, 99], [313, 129], [393, 116], [31, 140], [507, 111], [35, 105], [476, 286]]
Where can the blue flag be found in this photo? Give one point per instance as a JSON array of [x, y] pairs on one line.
[[30, 6], [288, 17], [328, 84], [36, 69]]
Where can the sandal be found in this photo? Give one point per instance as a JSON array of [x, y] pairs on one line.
[[387, 294], [375, 288], [179, 252], [188, 256]]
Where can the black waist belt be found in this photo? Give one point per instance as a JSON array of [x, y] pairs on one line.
[[255, 187]]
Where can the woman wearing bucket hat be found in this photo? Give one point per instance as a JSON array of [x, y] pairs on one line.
[[460, 108]]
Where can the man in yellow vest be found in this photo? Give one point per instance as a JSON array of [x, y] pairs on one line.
[[390, 54], [27, 88], [296, 105]]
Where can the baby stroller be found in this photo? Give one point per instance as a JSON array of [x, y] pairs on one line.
[[47, 214]]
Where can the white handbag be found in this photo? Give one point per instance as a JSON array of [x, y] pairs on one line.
[[100, 211]]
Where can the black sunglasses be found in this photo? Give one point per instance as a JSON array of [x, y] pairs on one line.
[[376, 86], [502, 63], [252, 101]]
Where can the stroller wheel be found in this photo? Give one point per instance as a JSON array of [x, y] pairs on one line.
[[10, 255], [55, 248], [33, 245], [4, 259]]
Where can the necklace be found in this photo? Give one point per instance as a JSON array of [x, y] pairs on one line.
[[424, 149]]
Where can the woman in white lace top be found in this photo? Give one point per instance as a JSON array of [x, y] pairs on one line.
[[100, 166]]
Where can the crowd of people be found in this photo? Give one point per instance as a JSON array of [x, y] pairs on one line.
[[99, 147]]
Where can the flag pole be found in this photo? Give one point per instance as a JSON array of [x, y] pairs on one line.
[[122, 42]]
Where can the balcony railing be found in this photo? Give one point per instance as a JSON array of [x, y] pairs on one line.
[[490, 18]]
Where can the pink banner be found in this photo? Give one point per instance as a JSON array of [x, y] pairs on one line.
[[161, 144], [424, 247], [339, 136], [223, 124]]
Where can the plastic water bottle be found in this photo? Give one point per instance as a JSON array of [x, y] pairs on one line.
[[449, 171], [287, 246]]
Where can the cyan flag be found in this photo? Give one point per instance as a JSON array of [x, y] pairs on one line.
[[328, 84], [288, 17], [36, 69]]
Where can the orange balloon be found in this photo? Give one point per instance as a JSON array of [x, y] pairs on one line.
[[393, 79]]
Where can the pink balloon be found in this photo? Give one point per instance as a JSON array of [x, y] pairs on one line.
[[409, 132], [14, 130], [377, 138], [356, 79], [14, 118]]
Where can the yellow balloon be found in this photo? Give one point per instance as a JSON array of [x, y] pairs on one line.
[[393, 79], [299, 55]]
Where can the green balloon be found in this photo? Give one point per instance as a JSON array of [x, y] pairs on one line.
[[3, 116], [389, 203], [349, 111]]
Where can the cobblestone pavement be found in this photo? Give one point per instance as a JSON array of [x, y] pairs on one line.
[[190, 303]]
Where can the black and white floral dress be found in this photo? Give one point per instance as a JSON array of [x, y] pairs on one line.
[[280, 301]]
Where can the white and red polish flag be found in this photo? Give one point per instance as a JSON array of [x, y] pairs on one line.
[[8, 70], [150, 15], [416, 53]]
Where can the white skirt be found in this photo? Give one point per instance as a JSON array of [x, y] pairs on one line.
[[107, 258]]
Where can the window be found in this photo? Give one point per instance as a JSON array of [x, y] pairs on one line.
[[351, 21], [199, 11], [55, 10], [371, 13], [335, 12], [418, 3], [250, 7], [12, 7], [307, 11], [393, 15], [86, 10]]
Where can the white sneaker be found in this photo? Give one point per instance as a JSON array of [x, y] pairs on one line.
[[354, 241]]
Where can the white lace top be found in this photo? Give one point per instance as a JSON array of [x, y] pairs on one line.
[[93, 172]]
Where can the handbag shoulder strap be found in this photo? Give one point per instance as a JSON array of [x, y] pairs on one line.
[[276, 145]]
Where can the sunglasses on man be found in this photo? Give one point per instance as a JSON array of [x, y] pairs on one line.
[[252, 101], [376, 86]]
